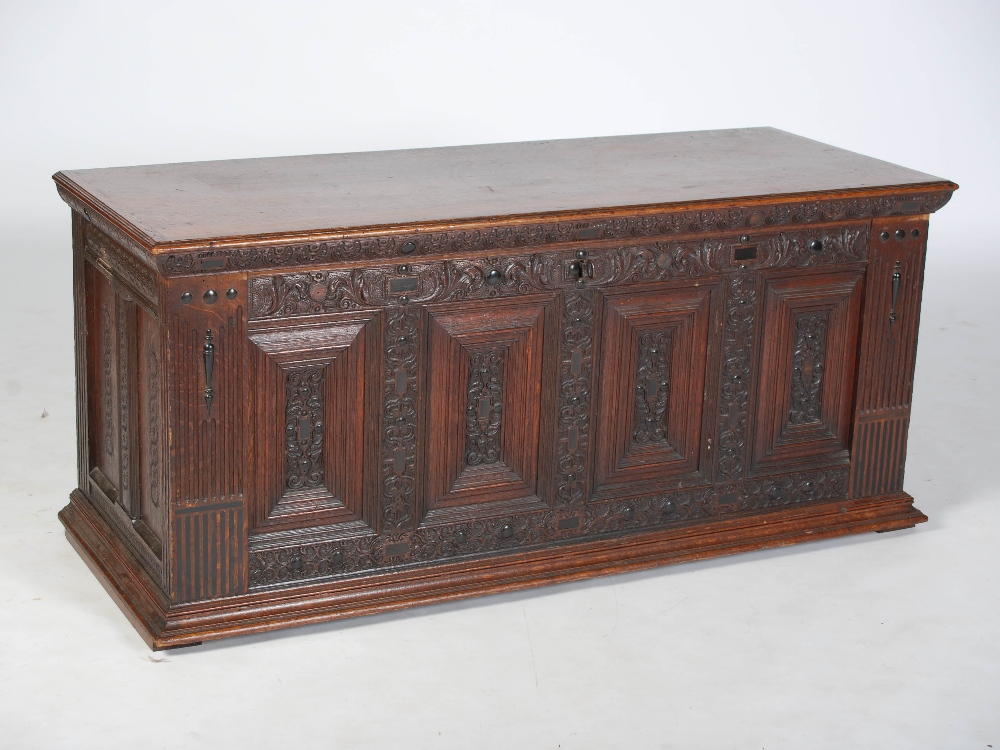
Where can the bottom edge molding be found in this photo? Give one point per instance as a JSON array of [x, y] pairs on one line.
[[162, 625]]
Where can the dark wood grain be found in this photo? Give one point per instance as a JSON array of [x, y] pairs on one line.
[[626, 352], [172, 204]]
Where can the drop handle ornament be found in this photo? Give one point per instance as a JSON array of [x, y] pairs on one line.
[[209, 354], [897, 277]]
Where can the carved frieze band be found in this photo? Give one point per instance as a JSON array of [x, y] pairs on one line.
[[399, 425], [485, 406], [321, 292], [304, 427], [326, 559], [547, 234], [737, 359], [808, 361], [652, 389], [575, 369]]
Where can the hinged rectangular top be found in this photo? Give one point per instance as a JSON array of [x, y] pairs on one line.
[[182, 205]]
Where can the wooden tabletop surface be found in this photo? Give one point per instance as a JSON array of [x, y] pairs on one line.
[[201, 201]]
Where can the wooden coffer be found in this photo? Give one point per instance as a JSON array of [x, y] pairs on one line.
[[316, 387]]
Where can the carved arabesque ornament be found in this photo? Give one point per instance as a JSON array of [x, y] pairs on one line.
[[548, 234], [275, 566]]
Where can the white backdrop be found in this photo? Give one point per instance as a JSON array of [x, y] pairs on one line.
[[885, 641]]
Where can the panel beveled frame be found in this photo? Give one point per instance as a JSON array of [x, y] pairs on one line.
[[344, 350], [684, 311], [780, 442], [524, 329]]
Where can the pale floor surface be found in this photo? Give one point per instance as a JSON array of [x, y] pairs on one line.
[[877, 641]]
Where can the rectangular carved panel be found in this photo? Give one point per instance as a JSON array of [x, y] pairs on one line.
[[310, 391], [151, 440], [209, 552], [487, 379], [484, 417], [653, 364], [102, 381], [806, 371]]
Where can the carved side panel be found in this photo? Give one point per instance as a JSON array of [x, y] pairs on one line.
[[114, 454], [84, 383], [102, 385], [653, 367], [808, 350], [151, 440], [888, 355], [310, 389]]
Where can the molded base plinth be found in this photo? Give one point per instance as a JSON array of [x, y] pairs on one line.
[[164, 625]]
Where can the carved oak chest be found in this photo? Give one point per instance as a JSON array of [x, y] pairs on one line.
[[315, 387]]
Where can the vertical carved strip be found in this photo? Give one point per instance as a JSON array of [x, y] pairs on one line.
[[107, 392], [399, 427], [80, 348], [304, 426], [737, 359], [652, 388], [575, 369], [808, 362], [128, 396], [153, 411], [485, 404]]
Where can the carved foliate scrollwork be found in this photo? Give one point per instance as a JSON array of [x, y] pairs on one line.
[[652, 389], [808, 361], [548, 234], [737, 358], [328, 559], [399, 425], [485, 406], [320, 292], [575, 369], [573, 515], [304, 425]]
